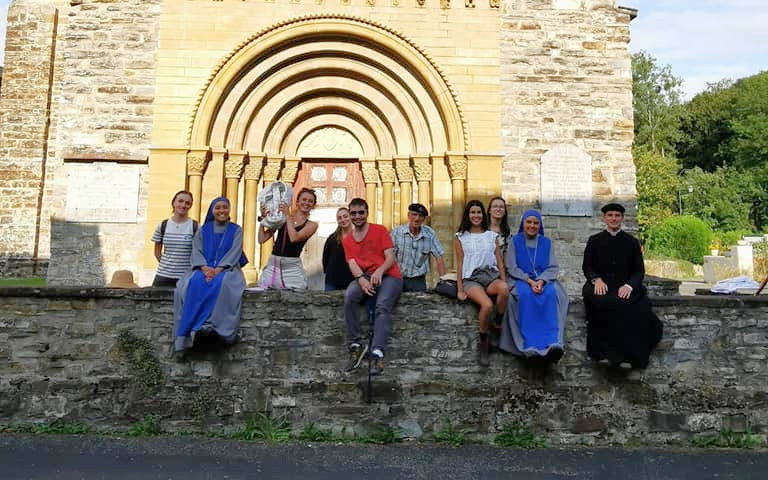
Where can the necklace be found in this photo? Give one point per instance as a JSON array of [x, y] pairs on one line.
[[533, 260]]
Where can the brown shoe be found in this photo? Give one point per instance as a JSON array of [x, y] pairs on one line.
[[483, 350]]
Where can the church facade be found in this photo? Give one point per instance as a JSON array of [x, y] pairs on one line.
[[108, 108]]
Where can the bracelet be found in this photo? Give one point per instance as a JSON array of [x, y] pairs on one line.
[[359, 276]]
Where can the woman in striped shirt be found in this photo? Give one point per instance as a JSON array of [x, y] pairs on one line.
[[173, 242]]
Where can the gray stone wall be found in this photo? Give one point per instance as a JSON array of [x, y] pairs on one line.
[[566, 79], [65, 353]]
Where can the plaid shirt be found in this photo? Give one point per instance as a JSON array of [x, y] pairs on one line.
[[412, 253]]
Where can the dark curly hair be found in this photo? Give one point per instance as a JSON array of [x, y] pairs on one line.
[[465, 223]]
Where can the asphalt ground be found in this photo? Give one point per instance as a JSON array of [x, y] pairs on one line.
[[93, 457]]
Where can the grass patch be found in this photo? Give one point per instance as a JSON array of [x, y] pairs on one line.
[[56, 427], [450, 434], [381, 435], [22, 282], [519, 435], [266, 428], [313, 433], [728, 439], [149, 426]]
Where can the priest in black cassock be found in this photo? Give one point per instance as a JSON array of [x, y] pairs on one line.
[[622, 330]]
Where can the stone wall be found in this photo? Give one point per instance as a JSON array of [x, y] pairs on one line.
[[64, 354], [24, 111], [566, 79]]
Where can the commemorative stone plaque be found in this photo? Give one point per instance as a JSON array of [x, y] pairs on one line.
[[102, 192], [566, 182]]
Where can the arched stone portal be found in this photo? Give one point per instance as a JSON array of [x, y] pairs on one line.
[[287, 82]]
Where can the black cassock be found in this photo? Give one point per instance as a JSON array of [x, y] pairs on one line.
[[621, 330]]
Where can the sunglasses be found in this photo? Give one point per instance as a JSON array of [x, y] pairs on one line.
[[357, 212]]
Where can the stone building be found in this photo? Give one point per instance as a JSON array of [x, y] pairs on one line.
[[109, 107]]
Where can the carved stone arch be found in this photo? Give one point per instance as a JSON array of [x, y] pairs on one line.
[[301, 130], [224, 87]]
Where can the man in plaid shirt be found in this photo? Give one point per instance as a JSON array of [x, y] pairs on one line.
[[414, 243]]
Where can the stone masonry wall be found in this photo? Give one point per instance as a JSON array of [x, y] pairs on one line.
[[64, 354], [566, 79], [24, 113], [105, 93]]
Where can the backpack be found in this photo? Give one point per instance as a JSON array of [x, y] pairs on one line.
[[164, 225]]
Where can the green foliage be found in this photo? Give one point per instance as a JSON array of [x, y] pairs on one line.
[[55, 427], [143, 365], [381, 435], [725, 240], [748, 145], [149, 426], [450, 434], [760, 260], [313, 433], [657, 187], [728, 439], [656, 103], [266, 428], [725, 199], [519, 435], [683, 237]]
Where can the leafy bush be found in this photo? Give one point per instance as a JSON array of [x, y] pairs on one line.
[[683, 237], [266, 428], [451, 434], [725, 240]]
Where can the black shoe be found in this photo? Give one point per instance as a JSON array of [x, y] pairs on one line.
[[626, 366], [356, 354], [483, 350], [377, 367], [179, 356]]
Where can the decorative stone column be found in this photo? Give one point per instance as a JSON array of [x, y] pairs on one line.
[[197, 159], [233, 168], [252, 173], [405, 177], [271, 173], [457, 169], [423, 168], [388, 179], [290, 168], [371, 179]]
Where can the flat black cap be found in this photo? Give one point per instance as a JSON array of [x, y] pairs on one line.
[[613, 207], [418, 208]]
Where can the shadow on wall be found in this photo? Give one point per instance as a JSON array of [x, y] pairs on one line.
[[76, 255]]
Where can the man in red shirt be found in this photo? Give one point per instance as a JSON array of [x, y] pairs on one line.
[[371, 257]]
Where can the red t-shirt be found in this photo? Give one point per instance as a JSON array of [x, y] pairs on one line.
[[369, 252]]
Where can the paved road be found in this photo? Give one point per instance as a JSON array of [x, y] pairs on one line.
[[74, 457]]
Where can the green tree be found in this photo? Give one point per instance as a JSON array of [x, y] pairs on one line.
[[657, 187], [725, 199], [748, 145], [656, 103], [705, 125]]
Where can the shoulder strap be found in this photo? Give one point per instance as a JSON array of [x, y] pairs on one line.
[[163, 226], [195, 225]]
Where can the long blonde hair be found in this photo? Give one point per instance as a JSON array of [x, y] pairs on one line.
[[339, 230]]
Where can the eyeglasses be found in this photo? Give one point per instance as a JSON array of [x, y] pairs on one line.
[[357, 212]]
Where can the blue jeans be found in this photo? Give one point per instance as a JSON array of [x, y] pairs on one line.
[[386, 295]]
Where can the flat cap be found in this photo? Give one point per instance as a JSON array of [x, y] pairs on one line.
[[613, 207]]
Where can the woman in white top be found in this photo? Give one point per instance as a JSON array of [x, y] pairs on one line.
[[480, 271], [173, 242]]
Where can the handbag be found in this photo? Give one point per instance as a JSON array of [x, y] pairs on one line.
[[447, 288], [484, 275]]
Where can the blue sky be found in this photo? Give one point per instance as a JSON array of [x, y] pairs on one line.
[[703, 40]]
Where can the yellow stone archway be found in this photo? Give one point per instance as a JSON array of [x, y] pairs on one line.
[[314, 72]]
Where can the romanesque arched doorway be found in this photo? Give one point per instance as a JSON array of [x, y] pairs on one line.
[[270, 106]]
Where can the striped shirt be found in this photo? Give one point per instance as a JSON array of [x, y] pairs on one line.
[[412, 253], [177, 248]]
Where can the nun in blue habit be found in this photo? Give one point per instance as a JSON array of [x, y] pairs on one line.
[[208, 298], [534, 326]]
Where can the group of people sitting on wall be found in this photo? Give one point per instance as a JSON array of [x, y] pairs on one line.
[[512, 277]]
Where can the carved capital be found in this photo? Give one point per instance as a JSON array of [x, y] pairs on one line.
[[233, 167], [445, 4], [403, 168], [254, 167], [457, 166], [288, 175], [386, 171], [494, 3], [370, 173], [423, 169], [469, 3], [197, 160], [272, 169], [420, 2]]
